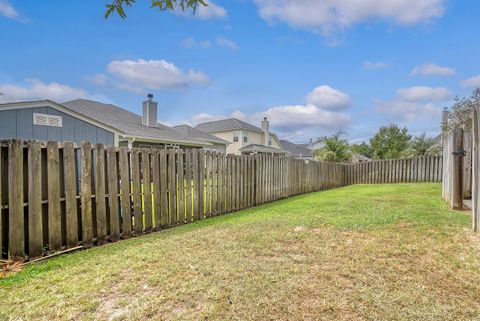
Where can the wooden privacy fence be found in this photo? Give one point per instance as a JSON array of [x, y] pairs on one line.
[[419, 169], [55, 197]]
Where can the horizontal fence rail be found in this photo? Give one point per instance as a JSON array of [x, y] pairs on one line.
[[55, 197], [419, 169]]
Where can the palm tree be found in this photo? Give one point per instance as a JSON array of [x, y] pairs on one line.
[[335, 149], [424, 146]]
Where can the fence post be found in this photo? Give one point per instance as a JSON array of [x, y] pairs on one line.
[[457, 169], [475, 172]]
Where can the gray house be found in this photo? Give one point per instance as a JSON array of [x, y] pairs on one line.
[[86, 120], [299, 151]]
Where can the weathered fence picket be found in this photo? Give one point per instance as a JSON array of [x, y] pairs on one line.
[[420, 169]]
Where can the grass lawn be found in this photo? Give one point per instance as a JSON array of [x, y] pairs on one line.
[[364, 252]]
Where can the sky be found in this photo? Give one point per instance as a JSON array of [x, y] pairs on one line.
[[314, 67]]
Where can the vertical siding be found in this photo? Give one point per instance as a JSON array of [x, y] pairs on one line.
[[19, 124]]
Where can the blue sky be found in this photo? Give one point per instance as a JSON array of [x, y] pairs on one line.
[[313, 67]]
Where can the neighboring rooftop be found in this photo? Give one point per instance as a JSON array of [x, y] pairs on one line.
[[226, 125], [296, 149], [127, 122], [189, 131], [252, 148]]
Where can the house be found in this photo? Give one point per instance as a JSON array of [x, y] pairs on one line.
[[244, 138], [86, 120], [217, 144], [300, 151], [359, 158]]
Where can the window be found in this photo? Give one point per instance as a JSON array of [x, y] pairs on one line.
[[47, 120], [270, 141], [235, 137], [245, 136]]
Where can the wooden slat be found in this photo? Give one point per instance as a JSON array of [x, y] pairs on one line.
[[164, 189], [228, 181], [35, 220], [100, 201], [86, 195], [113, 200], [201, 174], [172, 190], [147, 190], [157, 203], [188, 186], [196, 186], [125, 187], [215, 183], [137, 193], [475, 171], [181, 188], [208, 178], [54, 214], [71, 215], [16, 239], [3, 191]]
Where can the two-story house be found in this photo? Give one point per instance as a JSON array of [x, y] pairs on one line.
[[244, 138]]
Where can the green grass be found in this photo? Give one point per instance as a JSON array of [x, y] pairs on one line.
[[365, 252]]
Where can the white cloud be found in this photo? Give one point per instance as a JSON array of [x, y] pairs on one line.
[[297, 117], [35, 89], [328, 98], [137, 75], [423, 93], [327, 16], [369, 65], [8, 11], [211, 11], [97, 79], [191, 43], [227, 43], [431, 69], [406, 110], [318, 116], [471, 82]]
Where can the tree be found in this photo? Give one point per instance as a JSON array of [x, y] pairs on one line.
[[336, 149], [390, 142], [118, 6], [363, 149], [462, 110], [424, 146]]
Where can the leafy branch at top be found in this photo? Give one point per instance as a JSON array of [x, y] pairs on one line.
[[118, 6]]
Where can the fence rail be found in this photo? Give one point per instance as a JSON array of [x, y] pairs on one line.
[[58, 196], [419, 169]]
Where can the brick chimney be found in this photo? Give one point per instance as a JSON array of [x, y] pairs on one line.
[[266, 131], [149, 117]]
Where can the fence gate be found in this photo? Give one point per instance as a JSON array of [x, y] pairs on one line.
[[453, 172], [475, 171]]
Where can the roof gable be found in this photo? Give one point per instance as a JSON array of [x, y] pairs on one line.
[[295, 149], [130, 124], [191, 132], [226, 125]]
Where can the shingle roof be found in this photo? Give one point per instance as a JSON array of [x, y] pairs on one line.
[[127, 122], [225, 125], [189, 131], [295, 149], [261, 149]]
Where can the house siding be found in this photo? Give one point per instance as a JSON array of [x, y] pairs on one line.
[[18, 123]]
